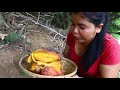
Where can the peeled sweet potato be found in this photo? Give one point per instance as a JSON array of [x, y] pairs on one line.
[[45, 56], [50, 61]]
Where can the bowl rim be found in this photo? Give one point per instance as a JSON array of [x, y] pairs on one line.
[[35, 75]]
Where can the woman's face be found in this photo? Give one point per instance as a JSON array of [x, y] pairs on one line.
[[83, 30]]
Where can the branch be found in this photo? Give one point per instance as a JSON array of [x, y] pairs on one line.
[[30, 15], [48, 28], [52, 30], [23, 28]]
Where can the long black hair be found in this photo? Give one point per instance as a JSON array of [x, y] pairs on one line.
[[96, 46]]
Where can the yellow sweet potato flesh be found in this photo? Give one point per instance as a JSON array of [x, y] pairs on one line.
[[46, 59]]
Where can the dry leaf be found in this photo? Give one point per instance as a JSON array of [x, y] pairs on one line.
[[2, 36]]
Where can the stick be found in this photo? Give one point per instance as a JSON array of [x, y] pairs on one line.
[[48, 28]]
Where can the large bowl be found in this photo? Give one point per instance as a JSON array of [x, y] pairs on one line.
[[68, 66]]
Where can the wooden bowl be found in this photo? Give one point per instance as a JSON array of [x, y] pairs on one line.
[[69, 67]]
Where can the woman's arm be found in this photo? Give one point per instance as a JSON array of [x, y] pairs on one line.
[[66, 51], [109, 71]]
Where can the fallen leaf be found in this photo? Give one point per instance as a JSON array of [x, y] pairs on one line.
[[2, 36]]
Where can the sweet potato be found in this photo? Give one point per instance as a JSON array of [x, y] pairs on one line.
[[50, 61], [49, 71], [45, 56]]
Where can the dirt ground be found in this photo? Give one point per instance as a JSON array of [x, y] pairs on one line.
[[10, 54]]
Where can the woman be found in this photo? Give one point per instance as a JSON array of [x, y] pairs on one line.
[[95, 52]]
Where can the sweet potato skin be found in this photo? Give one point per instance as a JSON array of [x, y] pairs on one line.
[[49, 71]]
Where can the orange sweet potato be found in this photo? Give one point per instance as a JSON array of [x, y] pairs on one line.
[[49, 71]]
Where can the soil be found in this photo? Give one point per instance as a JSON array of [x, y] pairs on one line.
[[10, 54]]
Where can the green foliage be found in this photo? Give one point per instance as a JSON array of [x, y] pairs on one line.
[[57, 19], [114, 27], [12, 37], [117, 36], [61, 20]]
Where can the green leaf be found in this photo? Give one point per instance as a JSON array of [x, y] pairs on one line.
[[12, 36], [117, 36]]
